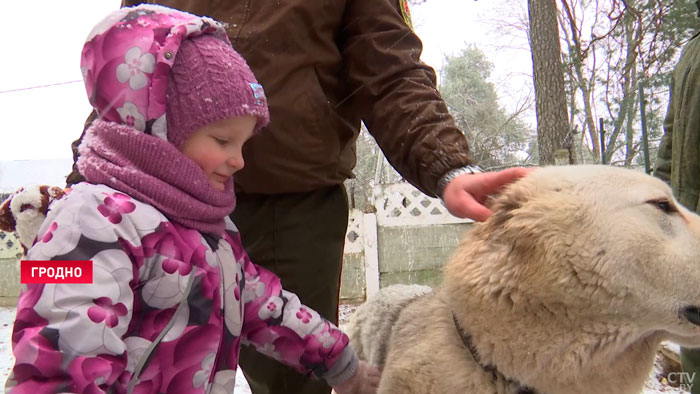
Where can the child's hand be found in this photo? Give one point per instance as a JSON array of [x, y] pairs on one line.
[[365, 381]]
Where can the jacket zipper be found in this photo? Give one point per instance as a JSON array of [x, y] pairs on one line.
[[221, 312]]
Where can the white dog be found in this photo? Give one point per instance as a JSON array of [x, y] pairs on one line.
[[569, 287]]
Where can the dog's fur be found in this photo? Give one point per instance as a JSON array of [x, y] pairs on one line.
[[569, 287]]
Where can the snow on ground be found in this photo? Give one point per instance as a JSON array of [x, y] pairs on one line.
[[7, 316], [654, 385]]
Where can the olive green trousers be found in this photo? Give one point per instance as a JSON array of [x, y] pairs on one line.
[[690, 363]]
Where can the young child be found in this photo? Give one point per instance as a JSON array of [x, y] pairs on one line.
[[174, 294]]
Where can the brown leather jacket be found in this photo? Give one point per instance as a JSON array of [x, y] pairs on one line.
[[327, 65]]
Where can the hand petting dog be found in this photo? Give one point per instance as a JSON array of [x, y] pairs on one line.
[[466, 195], [365, 381]]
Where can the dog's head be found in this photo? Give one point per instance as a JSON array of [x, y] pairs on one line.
[[595, 242]]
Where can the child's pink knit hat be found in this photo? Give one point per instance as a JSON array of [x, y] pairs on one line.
[[209, 81], [144, 62]]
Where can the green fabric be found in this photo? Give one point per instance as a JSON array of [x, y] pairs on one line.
[[690, 362], [300, 237], [678, 161]]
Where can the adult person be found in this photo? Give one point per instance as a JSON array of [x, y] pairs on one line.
[[678, 162], [327, 66]]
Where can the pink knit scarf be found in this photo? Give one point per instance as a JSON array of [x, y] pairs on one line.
[[153, 171]]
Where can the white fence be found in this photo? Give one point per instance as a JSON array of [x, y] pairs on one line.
[[397, 205], [401, 204], [9, 246]]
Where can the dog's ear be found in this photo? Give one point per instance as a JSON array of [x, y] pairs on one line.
[[528, 210], [512, 198], [7, 220]]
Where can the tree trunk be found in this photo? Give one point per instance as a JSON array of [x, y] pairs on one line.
[[553, 129]]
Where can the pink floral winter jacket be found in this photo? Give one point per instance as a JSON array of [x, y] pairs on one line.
[[167, 310]]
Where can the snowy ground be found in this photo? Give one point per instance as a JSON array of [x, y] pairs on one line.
[[7, 316], [655, 385]]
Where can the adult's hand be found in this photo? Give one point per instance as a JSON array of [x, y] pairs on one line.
[[465, 195]]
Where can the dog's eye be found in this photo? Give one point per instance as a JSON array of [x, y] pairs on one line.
[[663, 205]]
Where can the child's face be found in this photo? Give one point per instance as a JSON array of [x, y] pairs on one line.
[[217, 147]]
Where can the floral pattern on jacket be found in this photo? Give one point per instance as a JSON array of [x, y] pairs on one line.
[[196, 298]]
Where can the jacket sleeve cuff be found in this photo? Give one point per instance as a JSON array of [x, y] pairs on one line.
[[345, 368], [438, 166]]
